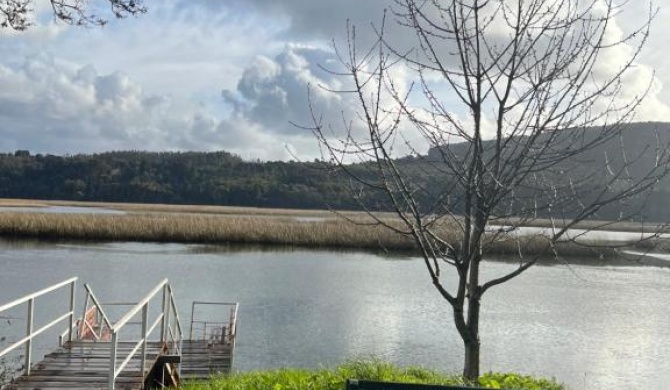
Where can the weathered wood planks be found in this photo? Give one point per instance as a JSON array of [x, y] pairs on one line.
[[85, 365], [201, 360]]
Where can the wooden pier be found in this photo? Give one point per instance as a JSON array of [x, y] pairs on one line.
[[91, 354], [200, 360]]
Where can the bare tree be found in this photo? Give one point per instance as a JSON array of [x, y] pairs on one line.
[[14, 14], [511, 97]]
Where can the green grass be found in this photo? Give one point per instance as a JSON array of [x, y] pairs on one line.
[[334, 379]]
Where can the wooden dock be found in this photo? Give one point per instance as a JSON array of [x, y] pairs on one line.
[[201, 360], [92, 356], [85, 365]]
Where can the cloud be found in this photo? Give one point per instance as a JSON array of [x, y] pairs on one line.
[[174, 49], [309, 20], [278, 99], [274, 92], [154, 82], [271, 97], [49, 107]]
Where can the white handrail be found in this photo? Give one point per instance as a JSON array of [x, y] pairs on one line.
[[98, 305], [35, 333], [128, 316], [37, 294], [30, 332], [143, 306]]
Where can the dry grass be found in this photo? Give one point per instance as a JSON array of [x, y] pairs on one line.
[[217, 229], [243, 225], [21, 203], [199, 228], [531, 245], [620, 226], [172, 208]]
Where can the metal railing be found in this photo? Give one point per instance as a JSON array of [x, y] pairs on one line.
[[93, 325], [223, 331], [30, 332], [170, 332]]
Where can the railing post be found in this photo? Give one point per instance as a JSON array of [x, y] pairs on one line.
[[82, 323], [166, 322], [164, 310], [112, 362], [29, 332], [73, 287], [190, 331], [144, 336]]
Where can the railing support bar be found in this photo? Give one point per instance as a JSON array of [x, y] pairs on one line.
[[98, 306], [144, 337], [190, 332], [29, 332], [164, 307], [80, 328], [112, 362], [73, 287]]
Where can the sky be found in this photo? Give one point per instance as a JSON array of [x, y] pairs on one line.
[[205, 75]]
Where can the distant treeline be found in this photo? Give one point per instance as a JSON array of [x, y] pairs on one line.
[[221, 178], [217, 178]]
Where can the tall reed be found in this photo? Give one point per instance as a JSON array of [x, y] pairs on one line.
[[271, 230], [199, 228]]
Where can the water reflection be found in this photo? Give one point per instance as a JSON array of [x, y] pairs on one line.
[[592, 324]]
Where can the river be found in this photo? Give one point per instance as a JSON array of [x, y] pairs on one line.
[[590, 326]]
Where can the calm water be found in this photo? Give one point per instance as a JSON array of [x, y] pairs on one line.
[[593, 327]]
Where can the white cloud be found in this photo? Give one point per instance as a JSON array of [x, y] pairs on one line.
[[272, 96], [154, 82], [47, 107]]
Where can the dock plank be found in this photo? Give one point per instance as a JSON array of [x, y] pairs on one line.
[[201, 359], [85, 365]]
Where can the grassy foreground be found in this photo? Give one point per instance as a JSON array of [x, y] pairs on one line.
[[334, 379]]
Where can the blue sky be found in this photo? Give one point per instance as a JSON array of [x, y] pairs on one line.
[[205, 75]]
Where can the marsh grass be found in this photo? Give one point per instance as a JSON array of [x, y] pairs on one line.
[[190, 209], [334, 379], [613, 226], [199, 228], [243, 225], [266, 230], [21, 203]]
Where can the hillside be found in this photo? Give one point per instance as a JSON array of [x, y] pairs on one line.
[[220, 178], [217, 178]]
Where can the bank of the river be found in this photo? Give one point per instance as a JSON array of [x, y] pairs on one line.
[[334, 379], [218, 224]]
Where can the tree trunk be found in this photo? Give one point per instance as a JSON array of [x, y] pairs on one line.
[[471, 364], [471, 342]]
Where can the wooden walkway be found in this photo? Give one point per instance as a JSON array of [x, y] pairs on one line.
[[85, 365], [86, 362], [200, 359]]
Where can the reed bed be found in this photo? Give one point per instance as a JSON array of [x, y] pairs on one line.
[[265, 230], [21, 203], [199, 228], [192, 209], [613, 226]]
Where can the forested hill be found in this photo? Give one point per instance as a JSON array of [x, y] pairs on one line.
[[217, 178], [220, 178]]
